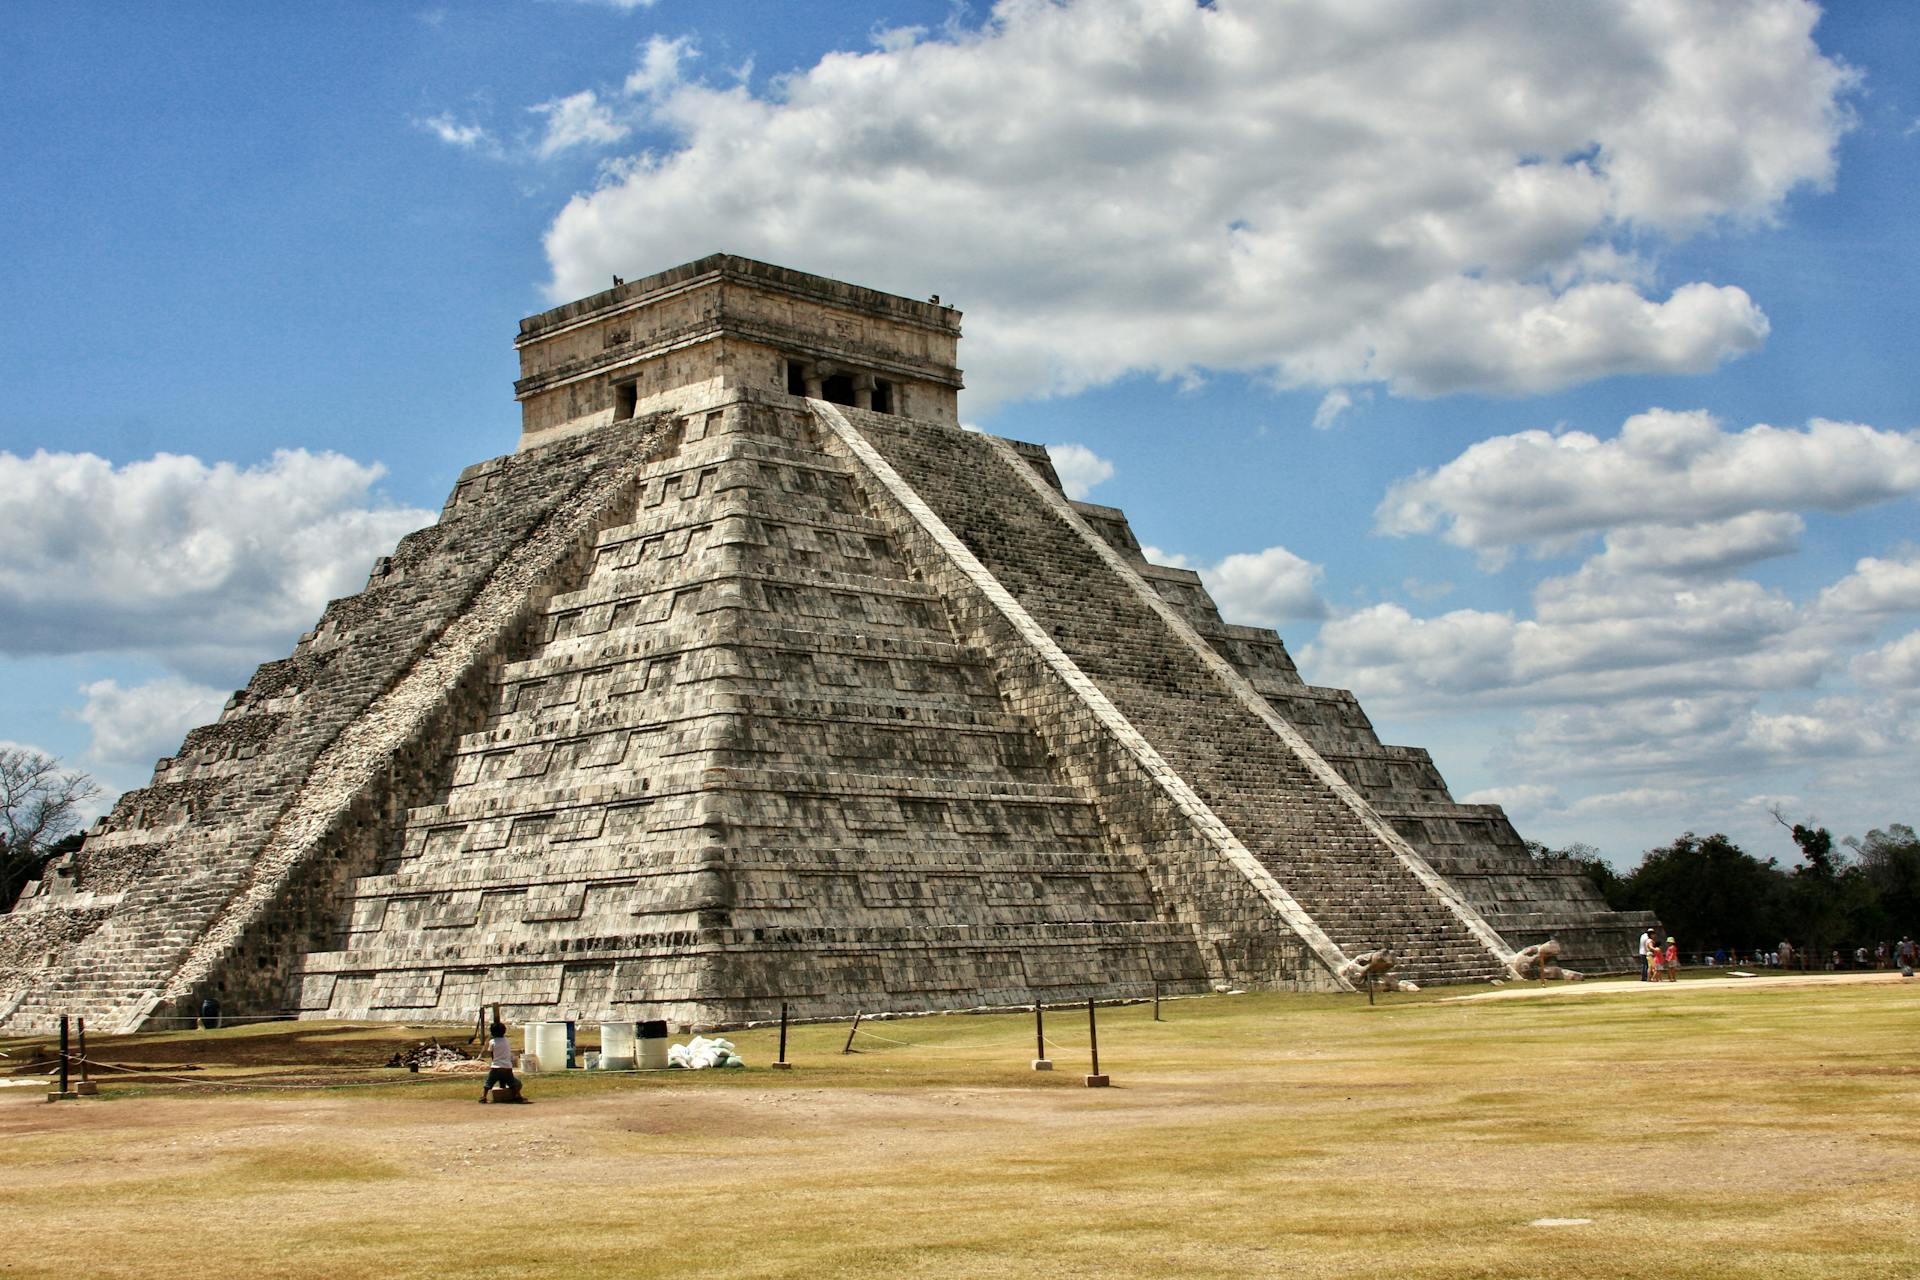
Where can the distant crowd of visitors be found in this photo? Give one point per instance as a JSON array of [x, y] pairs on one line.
[[1661, 963]]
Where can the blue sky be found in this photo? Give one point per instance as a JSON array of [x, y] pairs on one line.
[[1438, 336]]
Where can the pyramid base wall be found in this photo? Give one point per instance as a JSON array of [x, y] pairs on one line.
[[730, 977]]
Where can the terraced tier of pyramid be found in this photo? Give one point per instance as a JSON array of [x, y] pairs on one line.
[[752, 678]]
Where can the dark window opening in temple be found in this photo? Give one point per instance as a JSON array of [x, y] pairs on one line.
[[625, 396], [796, 379], [882, 396], [838, 389]]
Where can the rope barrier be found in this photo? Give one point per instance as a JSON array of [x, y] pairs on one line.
[[936, 1044], [1022, 1042], [263, 1082], [273, 1081], [410, 1078]]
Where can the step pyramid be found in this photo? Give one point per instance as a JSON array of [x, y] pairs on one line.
[[751, 679]]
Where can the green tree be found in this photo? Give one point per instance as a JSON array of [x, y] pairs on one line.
[[39, 809], [1889, 861], [1709, 893], [1586, 858], [1823, 895]]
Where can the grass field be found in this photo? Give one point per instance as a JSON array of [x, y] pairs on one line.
[[1710, 1129]]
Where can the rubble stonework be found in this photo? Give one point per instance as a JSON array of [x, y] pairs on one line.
[[754, 678]]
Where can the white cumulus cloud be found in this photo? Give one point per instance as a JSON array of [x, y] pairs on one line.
[[1266, 588], [198, 565], [1637, 800], [1705, 547], [1546, 490], [1591, 636], [1432, 197], [1655, 676], [1876, 585], [1335, 403], [467, 136], [134, 726], [1893, 667], [1526, 798], [1256, 588], [1079, 468], [577, 120], [660, 62]]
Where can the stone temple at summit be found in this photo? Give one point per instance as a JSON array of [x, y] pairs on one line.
[[751, 677]]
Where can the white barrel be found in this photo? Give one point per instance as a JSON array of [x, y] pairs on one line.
[[619, 1046], [653, 1046], [547, 1041]]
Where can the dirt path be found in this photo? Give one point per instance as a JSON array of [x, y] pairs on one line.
[[1695, 986]]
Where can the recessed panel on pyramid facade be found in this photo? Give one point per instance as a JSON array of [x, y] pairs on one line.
[[754, 679]]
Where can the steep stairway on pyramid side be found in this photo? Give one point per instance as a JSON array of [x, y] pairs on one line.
[[744, 760], [1362, 891], [1474, 846]]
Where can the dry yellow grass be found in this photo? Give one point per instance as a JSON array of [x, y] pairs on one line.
[[1706, 1132]]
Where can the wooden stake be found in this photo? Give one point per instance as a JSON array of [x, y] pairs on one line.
[[783, 1064], [1156, 1001], [1096, 1080], [1041, 1062], [86, 1088], [852, 1032], [55, 1095]]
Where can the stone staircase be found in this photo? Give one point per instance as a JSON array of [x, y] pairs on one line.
[[1314, 841], [745, 759]]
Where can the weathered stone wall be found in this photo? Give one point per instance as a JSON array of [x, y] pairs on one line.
[[729, 323]]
